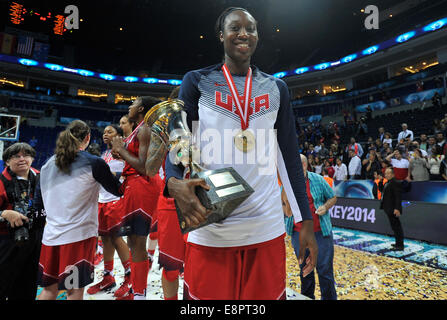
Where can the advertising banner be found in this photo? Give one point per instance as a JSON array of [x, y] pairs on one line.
[[420, 221]]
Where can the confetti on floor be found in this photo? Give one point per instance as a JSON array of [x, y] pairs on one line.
[[364, 270], [363, 275]]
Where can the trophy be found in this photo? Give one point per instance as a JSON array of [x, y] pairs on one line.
[[228, 189]]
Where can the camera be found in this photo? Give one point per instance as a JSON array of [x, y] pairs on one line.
[[21, 234]]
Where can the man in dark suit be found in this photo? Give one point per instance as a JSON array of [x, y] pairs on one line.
[[392, 205]]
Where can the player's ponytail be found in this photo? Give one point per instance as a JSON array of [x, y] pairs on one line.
[[68, 144]]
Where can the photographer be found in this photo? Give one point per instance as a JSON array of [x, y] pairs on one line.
[[21, 224]]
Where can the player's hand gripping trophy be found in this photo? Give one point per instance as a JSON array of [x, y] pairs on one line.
[[228, 189]]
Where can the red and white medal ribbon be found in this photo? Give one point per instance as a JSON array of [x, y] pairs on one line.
[[243, 113], [133, 134], [107, 156]]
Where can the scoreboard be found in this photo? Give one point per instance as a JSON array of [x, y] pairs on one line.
[[18, 13]]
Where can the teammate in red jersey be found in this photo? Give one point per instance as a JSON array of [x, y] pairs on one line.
[[109, 218], [140, 194], [171, 245]]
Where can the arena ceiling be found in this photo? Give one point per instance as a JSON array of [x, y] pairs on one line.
[[153, 37]]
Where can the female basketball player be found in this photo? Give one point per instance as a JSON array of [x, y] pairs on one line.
[[171, 245], [109, 219], [70, 183], [243, 256], [140, 193]]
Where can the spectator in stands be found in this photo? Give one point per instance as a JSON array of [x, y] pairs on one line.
[[317, 147], [318, 166], [369, 143], [400, 165], [329, 180], [336, 151], [356, 147], [434, 164], [371, 165], [311, 163], [387, 139], [355, 166], [430, 145], [328, 167], [412, 149], [381, 135], [379, 182], [378, 145], [401, 146], [311, 151], [331, 157], [423, 144], [324, 152], [386, 150], [340, 171], [405, 133], [417, 171]]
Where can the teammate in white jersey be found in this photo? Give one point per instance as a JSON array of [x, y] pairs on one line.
[[243, 256], [70, 182]]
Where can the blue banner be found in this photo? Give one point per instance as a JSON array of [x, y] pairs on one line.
[[423, 95], [423, 191]]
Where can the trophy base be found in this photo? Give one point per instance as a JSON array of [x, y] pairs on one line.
[[228, 190]]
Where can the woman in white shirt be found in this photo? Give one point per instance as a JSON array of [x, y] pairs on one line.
[[318, 165]]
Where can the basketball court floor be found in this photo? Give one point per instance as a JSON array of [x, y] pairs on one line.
[[365, 269]]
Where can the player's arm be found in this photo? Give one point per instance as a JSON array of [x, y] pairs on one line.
[[155, 155]]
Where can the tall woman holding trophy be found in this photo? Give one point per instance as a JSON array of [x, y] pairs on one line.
[[140, 194], [242, 256]]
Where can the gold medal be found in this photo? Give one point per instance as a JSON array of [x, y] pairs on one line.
[[245, 140], [183, 224]]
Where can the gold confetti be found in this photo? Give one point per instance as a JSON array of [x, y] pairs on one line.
[[364, 276]]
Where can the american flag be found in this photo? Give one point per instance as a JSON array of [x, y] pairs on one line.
[[25, 45]]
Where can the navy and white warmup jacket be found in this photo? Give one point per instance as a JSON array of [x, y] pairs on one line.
[[210, 108], [71, 200]]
